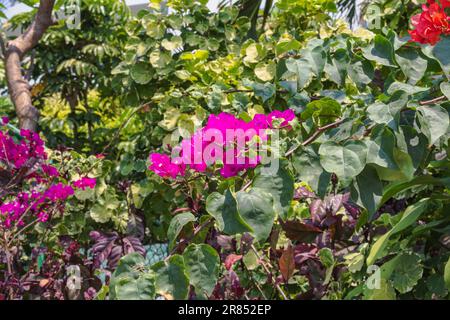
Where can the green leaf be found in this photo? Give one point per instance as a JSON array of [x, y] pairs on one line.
[[408, 88], [172, 44], [176, 225], [171, 279], [411, 214], [224, 209], [265, 71], [346, 161], [337, 67], [257, 209], [302, 69], [131, 280], [361, 72], [440, 52], [196, 55], [142, 72], [279, 183], [412, 64], [381, 113], [381, 51], [254, 53], [101, 213], [263, 90], [186, 126], [251, 260], [445, 88], [202, 266], [84, 194], [407, 272], [315, 57], [155, 29], [397, 187], [354, 261], [322, 111], [312, 62], [286, 45], [367, 190], [381, 152], [170, 121], [434, 122], [326, 257], [447, 274], [385, 292], [413, 143], [160, 59], [308, 168]]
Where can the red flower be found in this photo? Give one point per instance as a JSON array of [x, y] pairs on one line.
[[444, 3], [431, 23]]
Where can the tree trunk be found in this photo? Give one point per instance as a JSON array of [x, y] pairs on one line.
[[18, 86]]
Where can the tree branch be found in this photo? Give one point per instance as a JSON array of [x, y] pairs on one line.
[[197, 230], [18, 86], [433, 101], [269, 273], [315, 135]]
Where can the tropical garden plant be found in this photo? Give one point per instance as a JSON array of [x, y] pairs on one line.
[[323, 169]]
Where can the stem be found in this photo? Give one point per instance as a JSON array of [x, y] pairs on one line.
[[269, 273], [24, 228], [315, 135], [185, 241], [123, 124], [433, 101]]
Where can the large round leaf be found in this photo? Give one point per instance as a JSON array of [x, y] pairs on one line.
[[141, 72], [407, 272], [256, 208], [132, 280], [224, 209], [171, 279], [346, 160], [202, 266], [278, 182]]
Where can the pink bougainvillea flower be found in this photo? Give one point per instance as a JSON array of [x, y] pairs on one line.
[[162, 165], [85, 182], [50, 170], [224, 139], [287, 115], [44, 198], [5, 120], [43, 217], [58, 192]]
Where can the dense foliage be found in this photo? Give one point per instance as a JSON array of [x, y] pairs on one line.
[[356, 122]]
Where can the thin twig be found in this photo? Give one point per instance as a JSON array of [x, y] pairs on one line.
[[23, 229], [185, 241], [122, 125], [269, 273], [433, 101], [249, 91], [315, 135]]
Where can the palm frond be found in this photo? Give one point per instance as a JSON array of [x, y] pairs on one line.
[[348, 9], [250, 9]]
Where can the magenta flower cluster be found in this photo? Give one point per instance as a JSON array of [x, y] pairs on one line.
[[15, 154], [193, 149], [84, 183], [46, 195], [39, 204]]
